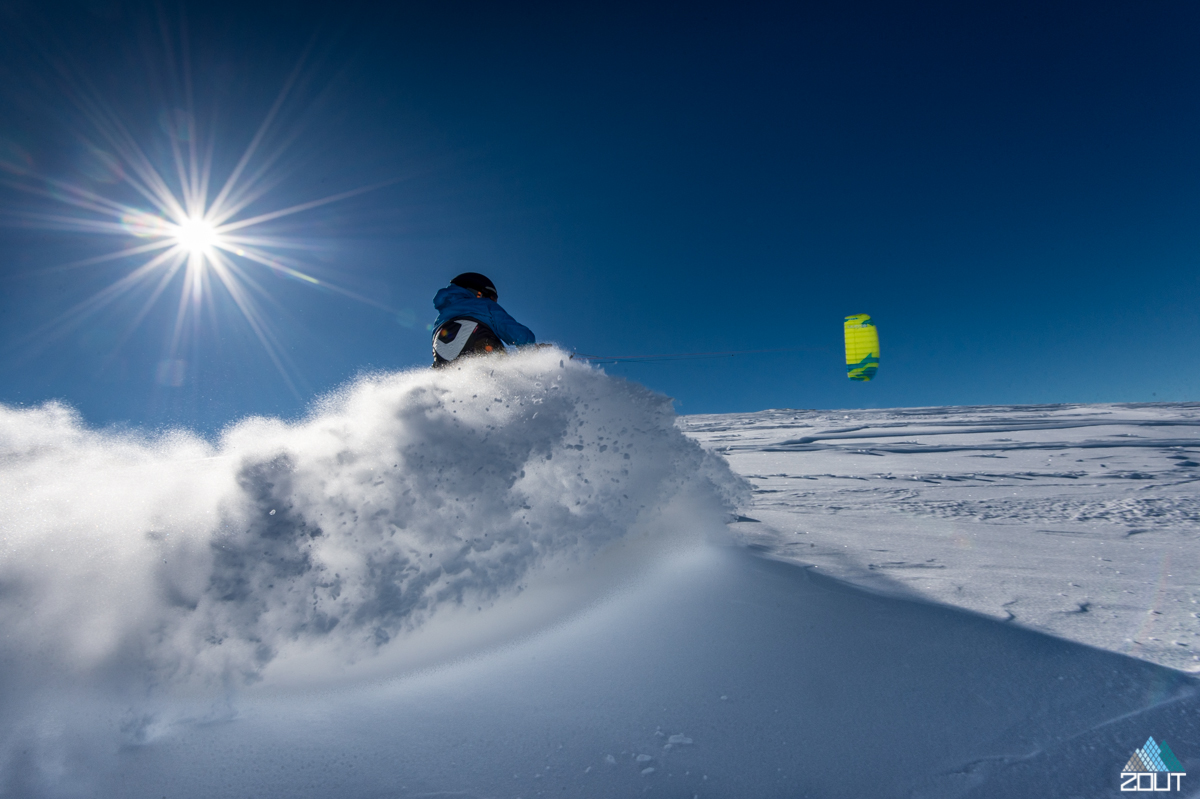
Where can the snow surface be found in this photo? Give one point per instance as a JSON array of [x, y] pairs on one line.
[[1081, 521], [516, 578]]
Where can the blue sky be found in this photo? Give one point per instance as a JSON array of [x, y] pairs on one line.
[[1012, 191]]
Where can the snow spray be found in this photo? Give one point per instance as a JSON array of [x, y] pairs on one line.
[[154, 562]]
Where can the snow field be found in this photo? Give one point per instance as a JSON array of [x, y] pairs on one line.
[[513, 579], [1080, 521]]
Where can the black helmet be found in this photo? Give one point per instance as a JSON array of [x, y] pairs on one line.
[[473, 281]]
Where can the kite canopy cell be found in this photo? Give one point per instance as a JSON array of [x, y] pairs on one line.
[[862, 348]]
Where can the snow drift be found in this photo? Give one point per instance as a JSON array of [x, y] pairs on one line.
[[401, 499]]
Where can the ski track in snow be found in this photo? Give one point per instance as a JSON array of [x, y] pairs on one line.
[[1078, 520]]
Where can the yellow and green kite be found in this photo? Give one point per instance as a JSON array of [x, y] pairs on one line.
[[862, 348]]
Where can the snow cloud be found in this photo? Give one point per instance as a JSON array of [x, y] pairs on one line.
[[402, 499]]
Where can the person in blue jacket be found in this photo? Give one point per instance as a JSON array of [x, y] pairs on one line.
[[470, 321]]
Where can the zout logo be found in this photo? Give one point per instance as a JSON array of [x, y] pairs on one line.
[[1154, 767]]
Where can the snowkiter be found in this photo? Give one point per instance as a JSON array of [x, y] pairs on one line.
[[470, 321]]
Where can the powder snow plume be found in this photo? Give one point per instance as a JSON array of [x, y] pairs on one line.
[[401, 499]]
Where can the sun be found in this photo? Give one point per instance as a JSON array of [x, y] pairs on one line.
[[184, 231], [196, 236]]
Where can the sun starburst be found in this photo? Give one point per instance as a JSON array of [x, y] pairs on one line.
[[204, 243]]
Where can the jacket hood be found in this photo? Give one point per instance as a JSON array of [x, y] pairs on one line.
[[450, 295], [455, 302]]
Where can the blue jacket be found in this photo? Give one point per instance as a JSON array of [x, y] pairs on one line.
[[455, 302]]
